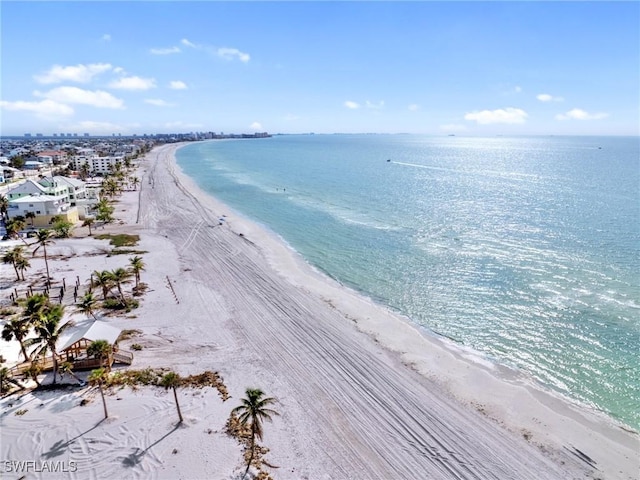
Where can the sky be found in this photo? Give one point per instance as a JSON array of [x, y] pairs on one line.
[[464, 68]]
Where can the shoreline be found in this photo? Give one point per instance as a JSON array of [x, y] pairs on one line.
[[412, 350], [362, 392]]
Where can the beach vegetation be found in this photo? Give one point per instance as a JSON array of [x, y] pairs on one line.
[[120, 239], [136, 347], [33, 371], [63, 228], [14, 257], [88, 222], [98, 378], [87, 305], [4, 207], [101, 350], [13, 226], [66, 368], [30, 216], [120, 276], [129, 333], [103, 280], [18, 329], [44, 238], [171, 380], [117, 304], [49, 328], [250, 414], [136, 266]]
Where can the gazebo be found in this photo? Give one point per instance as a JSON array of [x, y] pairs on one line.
[[74, 349]]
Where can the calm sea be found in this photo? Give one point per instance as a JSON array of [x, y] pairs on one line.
[[524, 249]]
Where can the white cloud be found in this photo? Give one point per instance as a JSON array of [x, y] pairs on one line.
[[222, 52], [74, 73], [375, 106], [97, 98], [414, 107], [351, 105], [106, 37], [257, 126], [44, 108], [507, 115], [165, 51], [133, 83], [177, 85], [578, 114], [233, 53], [158, 102], [187, 43], [545, 97]]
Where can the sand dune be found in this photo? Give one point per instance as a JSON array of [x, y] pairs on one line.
[[362, 393]]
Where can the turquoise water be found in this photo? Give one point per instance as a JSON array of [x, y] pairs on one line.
[[524, 249]]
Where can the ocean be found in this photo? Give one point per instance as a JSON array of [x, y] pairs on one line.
[[524, 249]]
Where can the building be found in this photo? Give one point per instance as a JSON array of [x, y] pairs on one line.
[[44, 207]]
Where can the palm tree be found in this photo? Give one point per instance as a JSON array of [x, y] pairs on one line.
[[44, 237], [98, 377], [134, 181], [252, 411], [66, 368], [22, 264], [88, 222], [137, 265], [87, 305], [120, 276], [33, 307], [33, 371], [13, 257], [101, 349], [17, 328], [103, 279], [172, 380], [49, 330], [14, 225], [30, 216], [4, 207]]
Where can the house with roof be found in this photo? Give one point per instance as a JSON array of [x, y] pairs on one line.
[[28, 187], [44, 207]]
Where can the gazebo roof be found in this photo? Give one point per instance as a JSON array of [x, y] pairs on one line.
[[96, 330]]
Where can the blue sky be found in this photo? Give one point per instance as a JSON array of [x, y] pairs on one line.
[[478, 68]]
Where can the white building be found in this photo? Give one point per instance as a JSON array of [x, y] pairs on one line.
[[45, 207]]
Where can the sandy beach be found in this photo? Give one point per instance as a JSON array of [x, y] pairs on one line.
[[362, 393]]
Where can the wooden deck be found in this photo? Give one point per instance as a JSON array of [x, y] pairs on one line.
[[123, 357]]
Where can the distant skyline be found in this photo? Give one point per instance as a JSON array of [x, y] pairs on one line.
[[465, 68]]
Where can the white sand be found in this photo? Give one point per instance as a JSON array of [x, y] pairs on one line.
[[362, 393]]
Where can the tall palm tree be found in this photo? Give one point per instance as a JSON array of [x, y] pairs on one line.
[[120, 276], [172, 380], [66, 368], [49, 330], [103, 280], [88, 222], [14, 225], [137, 265], [33, 307], [22, 264], [44, 238], [13, 257], [87, 305], [98, 377], [101, 349], [17, 328], [30, 216], [253, 411], [4, 207]]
